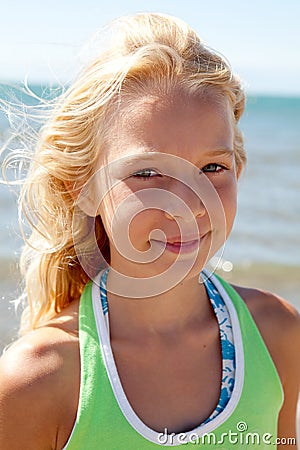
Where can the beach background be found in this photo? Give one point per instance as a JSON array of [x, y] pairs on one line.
[[44, 45], [263, 249]]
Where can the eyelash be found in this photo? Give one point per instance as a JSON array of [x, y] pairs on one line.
[[145, 177], [147, 170], [223, 168]]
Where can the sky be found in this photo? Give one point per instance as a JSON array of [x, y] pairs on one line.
[[42, 40]]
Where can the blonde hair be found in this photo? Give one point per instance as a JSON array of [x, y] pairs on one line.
[[148, 50]]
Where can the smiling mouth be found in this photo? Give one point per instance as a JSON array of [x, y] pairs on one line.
[[182, 246]]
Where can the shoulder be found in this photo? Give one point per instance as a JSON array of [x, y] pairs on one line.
[[260, 302], [279, 325], [38, 376], [277, 320]]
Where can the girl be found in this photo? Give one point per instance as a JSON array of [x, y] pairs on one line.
[[133, 185]]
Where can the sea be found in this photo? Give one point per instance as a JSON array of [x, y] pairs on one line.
[[263, 249]]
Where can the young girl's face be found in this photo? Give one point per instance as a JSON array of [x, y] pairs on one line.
[[170, 182]]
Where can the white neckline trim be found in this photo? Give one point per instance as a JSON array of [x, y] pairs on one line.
[[120, 396]]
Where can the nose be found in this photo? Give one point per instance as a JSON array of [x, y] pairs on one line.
[[184, 203]]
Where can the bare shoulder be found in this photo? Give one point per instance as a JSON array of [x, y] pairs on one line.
[[39, 374], [260, 301], [277, 320], [279, 324]]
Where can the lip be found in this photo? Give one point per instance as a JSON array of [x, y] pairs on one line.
[[178, 239], [187, 238], [187, 246], [183, 247]]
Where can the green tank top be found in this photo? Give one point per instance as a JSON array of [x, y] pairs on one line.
[[106, 421]]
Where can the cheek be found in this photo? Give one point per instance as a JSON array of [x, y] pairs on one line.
[[228, 197], [142, 225], [126, 217], [112, 210]]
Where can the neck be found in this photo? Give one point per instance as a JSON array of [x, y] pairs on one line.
[[174, 311]]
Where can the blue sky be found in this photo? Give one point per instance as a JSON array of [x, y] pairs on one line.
[[261, 38]]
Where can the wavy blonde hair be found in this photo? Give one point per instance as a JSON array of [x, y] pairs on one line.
[[148, 51]]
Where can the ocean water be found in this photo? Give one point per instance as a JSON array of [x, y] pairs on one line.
[[263, 249], [267, 226]]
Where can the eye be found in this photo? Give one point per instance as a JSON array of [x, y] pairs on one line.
[[213, 168], [145, 174]]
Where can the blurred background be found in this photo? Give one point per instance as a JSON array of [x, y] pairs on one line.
[[44, 43]]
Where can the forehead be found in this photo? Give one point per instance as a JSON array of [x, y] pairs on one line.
[[179, 124]]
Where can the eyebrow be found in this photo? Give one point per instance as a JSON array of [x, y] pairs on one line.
[[152, 154], [143, 157], [226, 151]]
